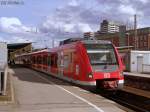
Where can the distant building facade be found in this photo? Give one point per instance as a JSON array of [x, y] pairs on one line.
[[18, 49], [127, 38], [143, 38], [109, 27], [89, 35], [113, 37]]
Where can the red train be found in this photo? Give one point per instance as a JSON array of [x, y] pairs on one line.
[[88, 62]]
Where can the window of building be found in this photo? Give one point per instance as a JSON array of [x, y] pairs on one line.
[[141, 38], [145, 37], [145, 44]]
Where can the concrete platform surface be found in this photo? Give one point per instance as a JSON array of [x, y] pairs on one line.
[[137, 74], [36, 92]]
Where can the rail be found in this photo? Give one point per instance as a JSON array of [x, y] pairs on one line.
[[129, 100]]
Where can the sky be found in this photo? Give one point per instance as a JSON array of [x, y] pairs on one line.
[[44, 21]]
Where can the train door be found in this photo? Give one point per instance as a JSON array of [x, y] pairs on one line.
[[60, 63], [49, 62], [45, 62], [54, 64], [71, 65], [76, 67], [140, 64]]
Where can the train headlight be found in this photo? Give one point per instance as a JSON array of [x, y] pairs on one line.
[[121, 74], [90, 75]]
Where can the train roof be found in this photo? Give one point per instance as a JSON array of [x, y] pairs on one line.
[[96, 42], [65, 46], [87, 41]]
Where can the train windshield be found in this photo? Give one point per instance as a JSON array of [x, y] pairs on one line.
[[101, 54]]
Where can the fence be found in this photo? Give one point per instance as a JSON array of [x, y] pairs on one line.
[[145, 68], [3, 80]]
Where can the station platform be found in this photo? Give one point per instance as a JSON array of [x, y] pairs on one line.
[[137, 83], [137, 74], [37, 92], [8, 97]]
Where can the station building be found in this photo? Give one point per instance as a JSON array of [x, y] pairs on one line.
[[17, 49]]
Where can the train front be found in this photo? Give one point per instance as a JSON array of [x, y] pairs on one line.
[[106, 65]]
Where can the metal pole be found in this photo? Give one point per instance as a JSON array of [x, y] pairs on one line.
[[135, 32], [5, 80], [53, 43], [128, 41]]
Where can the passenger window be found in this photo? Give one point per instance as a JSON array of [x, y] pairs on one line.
[[39, 59], [49, 60], [45, 60], [66, 61]]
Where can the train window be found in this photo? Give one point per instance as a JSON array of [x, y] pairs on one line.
[[49, 60], [45, 60], [66, 61], [39, 60], [98, 46], [33, 60], [55, 63], [101, 54], [52, 60], [36, 60], [71, 57]]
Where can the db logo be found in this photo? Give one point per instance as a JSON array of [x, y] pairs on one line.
[[106, 75]]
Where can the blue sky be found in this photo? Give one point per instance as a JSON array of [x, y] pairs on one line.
[[41, 21], [32, 11]]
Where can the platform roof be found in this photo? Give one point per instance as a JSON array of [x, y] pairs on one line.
[[17, 45]]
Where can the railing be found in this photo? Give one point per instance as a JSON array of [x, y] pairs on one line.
[[146, 68], [3, 79]]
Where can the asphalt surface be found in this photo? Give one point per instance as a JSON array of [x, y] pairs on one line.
[[37, 92]]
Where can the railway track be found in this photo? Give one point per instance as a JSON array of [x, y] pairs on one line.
[[129, 100]]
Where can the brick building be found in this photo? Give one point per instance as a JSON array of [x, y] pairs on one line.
[[127, 38], [118, 38], [113, 37], [89, 35], [143, 38]]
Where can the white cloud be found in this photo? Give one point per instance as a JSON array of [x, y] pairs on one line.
[[12, 25], [75, 17], [68, 19], [60, 26], [13, 31], [144, 1], [6, 22], [2, 39], [73, 3], [128, 9]]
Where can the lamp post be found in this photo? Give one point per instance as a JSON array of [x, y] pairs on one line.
[[128, 40]]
